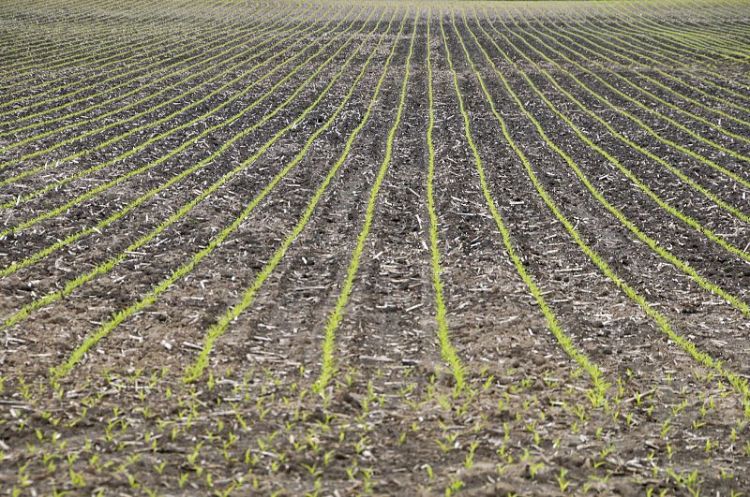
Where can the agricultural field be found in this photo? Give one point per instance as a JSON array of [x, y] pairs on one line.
[[374, 248]]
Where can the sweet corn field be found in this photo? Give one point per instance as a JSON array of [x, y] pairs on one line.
[[321, 248]]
